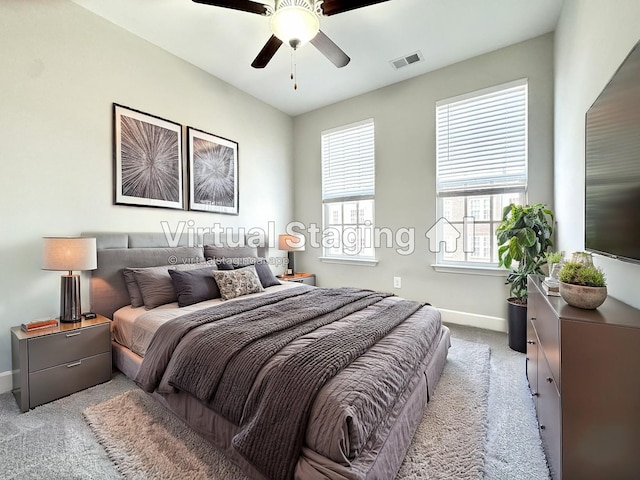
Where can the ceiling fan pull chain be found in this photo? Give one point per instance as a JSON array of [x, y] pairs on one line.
[[294, 72]]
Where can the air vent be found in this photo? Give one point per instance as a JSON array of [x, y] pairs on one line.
[[407, 60]]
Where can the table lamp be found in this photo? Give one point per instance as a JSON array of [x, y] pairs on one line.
[[291, 244], [69, 254]]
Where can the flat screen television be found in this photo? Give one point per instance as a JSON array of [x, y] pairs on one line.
[[612, 186]]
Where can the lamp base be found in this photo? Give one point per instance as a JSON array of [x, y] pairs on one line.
[[70, 309], [291, 265]]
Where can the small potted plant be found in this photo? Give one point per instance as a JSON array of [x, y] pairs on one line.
[[582, 285], [554, 261], [523, 236]]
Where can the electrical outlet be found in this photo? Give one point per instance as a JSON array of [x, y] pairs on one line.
[[397, 282]]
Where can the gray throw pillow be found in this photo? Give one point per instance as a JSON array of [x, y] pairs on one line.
[[236, 283], [135, 295], [155, 283], [194, 286]]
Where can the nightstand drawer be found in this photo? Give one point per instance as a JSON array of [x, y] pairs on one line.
[[68, 346], [306, 278], [311, 280], [56, 382]]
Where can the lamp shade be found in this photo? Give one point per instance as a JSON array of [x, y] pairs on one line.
[[69, 253], [294, 25], [291, 243]]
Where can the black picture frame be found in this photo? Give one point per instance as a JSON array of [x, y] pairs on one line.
[[148, 160], [213, 173]]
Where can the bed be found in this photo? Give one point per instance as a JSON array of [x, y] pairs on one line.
[[228, 367]]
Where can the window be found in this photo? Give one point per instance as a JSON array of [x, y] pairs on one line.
[[348, 189], [481, 167]]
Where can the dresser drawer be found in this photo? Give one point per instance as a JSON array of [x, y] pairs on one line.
[[56, 382], [549, 417], [547, 327], [68, 346]]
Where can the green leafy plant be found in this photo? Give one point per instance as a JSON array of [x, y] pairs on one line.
[[524, 235], [581, 274], [554, 257]]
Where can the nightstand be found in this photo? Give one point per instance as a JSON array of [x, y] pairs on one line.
[[54, 362], [308, 278]]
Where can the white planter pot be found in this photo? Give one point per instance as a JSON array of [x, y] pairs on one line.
[[583, 297]]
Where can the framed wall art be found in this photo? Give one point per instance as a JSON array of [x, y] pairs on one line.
[[148, 160], [213, 173]]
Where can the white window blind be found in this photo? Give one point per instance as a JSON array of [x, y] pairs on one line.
[[348, 162], [481, 140]]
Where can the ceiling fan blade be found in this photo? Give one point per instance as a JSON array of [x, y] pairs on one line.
[[268, 51], [242, 5], [333, 7], [330, 50]]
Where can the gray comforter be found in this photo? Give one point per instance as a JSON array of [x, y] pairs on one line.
[[229, 364]]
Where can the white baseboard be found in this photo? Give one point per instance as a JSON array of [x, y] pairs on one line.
[[473, 320], [6, 381]]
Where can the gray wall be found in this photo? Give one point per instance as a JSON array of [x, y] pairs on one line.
[[592, 39], [62, 68], [405, 173]]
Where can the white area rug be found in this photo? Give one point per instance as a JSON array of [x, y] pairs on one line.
[[145, 441]]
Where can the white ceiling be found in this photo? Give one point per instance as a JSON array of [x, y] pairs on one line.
[[224, 42]]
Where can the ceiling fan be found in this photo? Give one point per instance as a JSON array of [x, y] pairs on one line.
[[296, 22]]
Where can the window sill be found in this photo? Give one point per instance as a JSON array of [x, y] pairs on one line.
[[470, 270], [371, 262]]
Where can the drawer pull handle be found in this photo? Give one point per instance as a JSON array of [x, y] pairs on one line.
[[75, 364], [531, 342], [542, 427], [549, 379], [535, 394], [73, 334], [533, 319]]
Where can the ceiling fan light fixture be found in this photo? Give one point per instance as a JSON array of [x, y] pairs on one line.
[[295, 25]]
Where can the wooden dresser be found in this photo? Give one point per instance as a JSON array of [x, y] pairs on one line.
[[583, 368]]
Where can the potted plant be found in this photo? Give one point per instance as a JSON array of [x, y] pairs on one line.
[[582, 285], [524, 235], [553, 258], [554, 263]]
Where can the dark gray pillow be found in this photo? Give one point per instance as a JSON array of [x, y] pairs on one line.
[[194, 286], [266, 276], [236, 283]]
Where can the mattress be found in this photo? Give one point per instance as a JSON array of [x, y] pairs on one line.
[[134, 327]]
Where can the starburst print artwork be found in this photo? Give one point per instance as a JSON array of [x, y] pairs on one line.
[[214, 173], [149, 169], [148, 160], [213, 168]]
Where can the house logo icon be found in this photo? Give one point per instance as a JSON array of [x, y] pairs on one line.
[[444, 233]]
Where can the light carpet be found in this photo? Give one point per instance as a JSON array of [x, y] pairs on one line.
[[144, 441]]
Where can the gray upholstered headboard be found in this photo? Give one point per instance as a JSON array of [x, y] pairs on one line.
[[116, 251]]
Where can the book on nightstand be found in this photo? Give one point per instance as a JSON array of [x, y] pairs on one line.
[[39, 325]]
